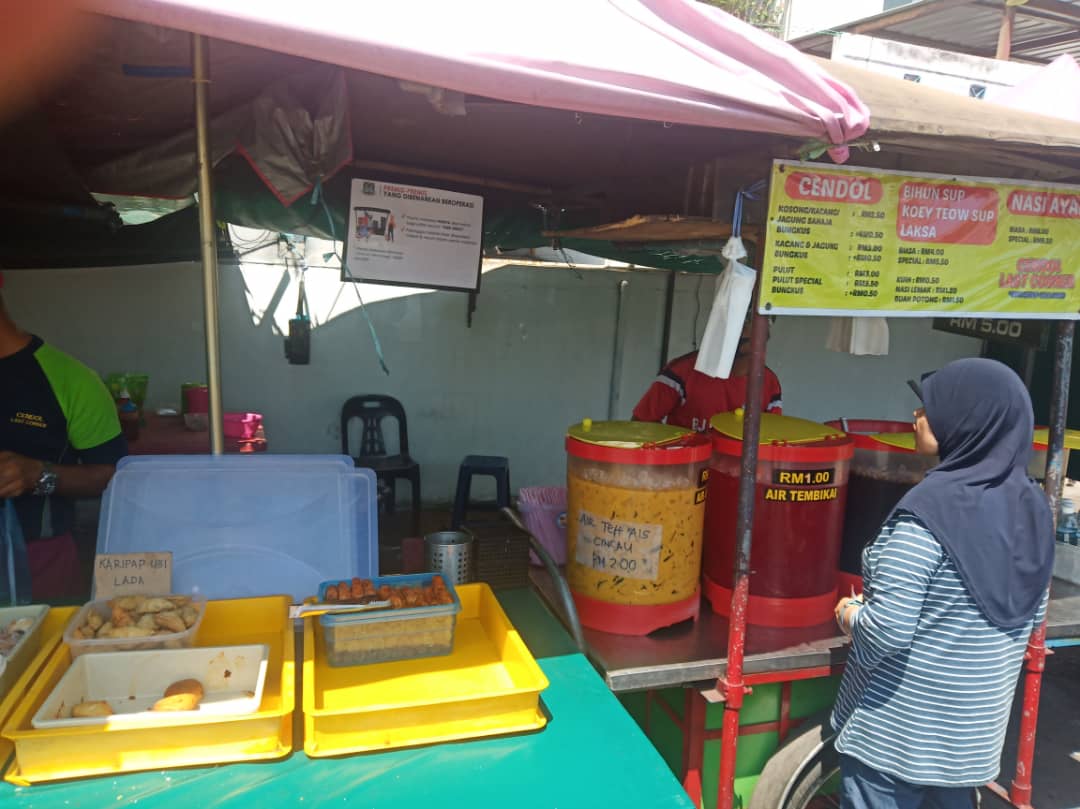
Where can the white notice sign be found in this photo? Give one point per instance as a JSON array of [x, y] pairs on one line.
[[626, 549], [407, 234]]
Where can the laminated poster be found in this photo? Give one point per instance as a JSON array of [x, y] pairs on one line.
[[414, 236], [851, 241]]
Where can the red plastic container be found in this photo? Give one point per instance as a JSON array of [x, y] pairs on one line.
[[197, 399], [635, 518], [242, 426], [801, 491]]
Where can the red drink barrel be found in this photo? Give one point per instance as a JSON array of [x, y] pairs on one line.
[[800, 494]]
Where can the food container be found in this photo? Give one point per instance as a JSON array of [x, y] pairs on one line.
[[379, 636], [800, 494], [635, 513], [232, 678], [15, 660], [884, 468], [173, 640], [490, 685], [51, 754]]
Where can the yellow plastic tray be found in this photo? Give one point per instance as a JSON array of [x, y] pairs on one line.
[[52, 631], [489, 685], [47, 755]]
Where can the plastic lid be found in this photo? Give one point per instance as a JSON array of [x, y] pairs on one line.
[[899, 440], [1042, 438], [776, 429], [627, 434], [241, 526], [1067, 506]]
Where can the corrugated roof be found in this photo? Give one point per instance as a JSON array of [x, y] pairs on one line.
[[1042, 31]]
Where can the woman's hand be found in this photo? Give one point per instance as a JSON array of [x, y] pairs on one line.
[[845, 612]]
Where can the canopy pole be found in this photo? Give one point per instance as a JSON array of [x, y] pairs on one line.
[[208, 240], [1005, 33], [732, 685]]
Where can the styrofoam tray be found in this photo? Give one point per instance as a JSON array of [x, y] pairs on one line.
[[12, 664], [232, 678]]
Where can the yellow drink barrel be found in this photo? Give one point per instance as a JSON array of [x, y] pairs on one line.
[[634, 523]]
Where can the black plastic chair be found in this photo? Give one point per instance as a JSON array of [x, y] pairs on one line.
[[371, 411]]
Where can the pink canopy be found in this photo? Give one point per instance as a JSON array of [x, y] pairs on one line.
[[675, 61]]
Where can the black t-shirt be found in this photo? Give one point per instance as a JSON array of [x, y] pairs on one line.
[[53, 408]]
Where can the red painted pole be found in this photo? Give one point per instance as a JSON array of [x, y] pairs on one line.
[[731, 685], [1034, 664]]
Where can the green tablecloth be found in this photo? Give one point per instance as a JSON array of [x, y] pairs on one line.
[[591, 754]]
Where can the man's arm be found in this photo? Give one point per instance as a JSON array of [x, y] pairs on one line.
[[19, 475]]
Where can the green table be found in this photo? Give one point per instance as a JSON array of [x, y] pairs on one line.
[[591, 754]]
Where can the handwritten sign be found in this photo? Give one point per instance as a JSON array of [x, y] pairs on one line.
[[620, 548], [852, 241], [121, 574]]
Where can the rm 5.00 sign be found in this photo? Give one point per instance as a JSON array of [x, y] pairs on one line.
[[1030, 333]]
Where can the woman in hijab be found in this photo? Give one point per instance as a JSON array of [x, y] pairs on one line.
[[953, 586]]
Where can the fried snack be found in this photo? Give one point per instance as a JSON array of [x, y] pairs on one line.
[[156, 605], [356, 590], [128, 632], [180, 601], [170, 620], [177, 702], [188, 686], [121, 617], [94, 621], [147, 621], [90, 709], [331, 593], [367, 588], [189, 615], [384, 593]]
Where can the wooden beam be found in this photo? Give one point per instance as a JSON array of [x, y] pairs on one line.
[[658, 228], [454, 177], [1004, 44], [1064, 12]]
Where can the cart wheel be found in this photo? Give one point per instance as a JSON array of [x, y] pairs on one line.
[[804, 773]]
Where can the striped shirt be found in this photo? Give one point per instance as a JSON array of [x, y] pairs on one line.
[[929, 682]]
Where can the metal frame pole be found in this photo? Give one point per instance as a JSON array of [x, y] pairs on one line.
[[208, 239], [669, 306], [732, 685], [1035, 659]]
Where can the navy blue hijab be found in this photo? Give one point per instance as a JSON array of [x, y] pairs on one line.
[[979, 502]]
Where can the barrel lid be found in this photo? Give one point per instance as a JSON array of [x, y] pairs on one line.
[[627, 434], [899, 440], [776, 429]]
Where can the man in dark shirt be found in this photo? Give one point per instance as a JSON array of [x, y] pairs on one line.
[[59, 439]]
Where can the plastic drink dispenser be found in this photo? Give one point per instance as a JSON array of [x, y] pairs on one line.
[[800, 492], [884, 468], [635, 516]]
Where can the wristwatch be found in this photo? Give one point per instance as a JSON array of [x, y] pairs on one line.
[[46, 484]]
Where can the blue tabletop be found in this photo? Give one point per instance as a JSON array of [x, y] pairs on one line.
[[590, 754]]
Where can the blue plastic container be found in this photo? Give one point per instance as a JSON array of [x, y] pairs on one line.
[[379, 636], [243, 527]]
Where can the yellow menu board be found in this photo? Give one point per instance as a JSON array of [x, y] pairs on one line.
[[855, 241]]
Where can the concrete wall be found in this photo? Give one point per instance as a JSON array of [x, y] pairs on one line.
[[954, 72], [537, 358]]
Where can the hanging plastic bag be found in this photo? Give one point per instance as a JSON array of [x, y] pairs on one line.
[[15, 576], [734, 290], [861, 336]]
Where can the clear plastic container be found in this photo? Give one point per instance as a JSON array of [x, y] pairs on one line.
[[380, 636], [15, 661], [172, 640]]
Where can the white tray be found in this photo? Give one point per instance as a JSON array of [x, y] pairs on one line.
[[232, 678]]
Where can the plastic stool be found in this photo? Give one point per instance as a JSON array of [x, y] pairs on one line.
[[494, 466]]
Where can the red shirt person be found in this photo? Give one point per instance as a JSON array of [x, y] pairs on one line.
[[685, 397]]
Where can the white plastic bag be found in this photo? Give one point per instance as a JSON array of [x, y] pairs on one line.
[[861, 336], [734, 291]]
